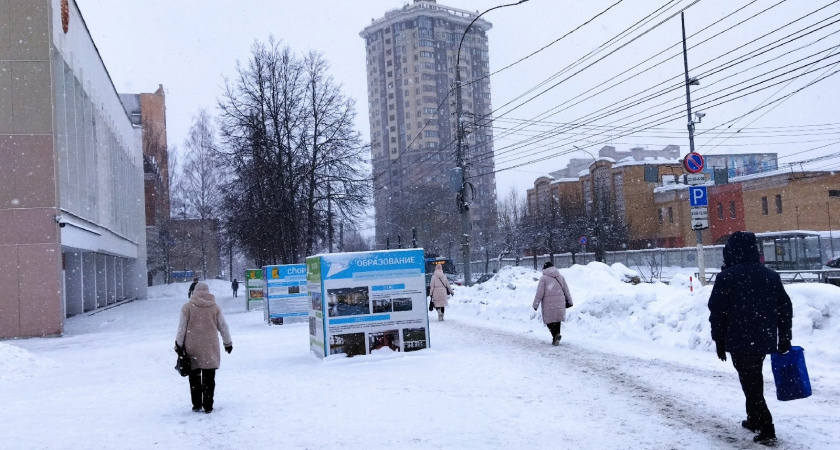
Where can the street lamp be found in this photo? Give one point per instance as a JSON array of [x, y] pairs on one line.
[[461, 198]]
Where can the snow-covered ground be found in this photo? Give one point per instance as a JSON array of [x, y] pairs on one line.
[[635, 369]]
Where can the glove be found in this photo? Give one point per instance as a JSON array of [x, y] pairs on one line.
[[569, 304], [229, 348], [784, 346], [721, 351], [535, 309]]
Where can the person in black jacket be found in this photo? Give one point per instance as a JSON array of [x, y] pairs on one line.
[[192, 287], [234, 285], [750, 315]]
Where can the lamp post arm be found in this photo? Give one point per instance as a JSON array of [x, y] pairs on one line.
[[458, 56]]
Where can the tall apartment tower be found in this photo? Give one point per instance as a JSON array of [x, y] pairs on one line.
[[411, 54]]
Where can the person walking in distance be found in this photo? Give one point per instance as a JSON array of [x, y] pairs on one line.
[[192, 287], [440, 291], [750, 316], [234, 285], [553, 294], [201, 320]]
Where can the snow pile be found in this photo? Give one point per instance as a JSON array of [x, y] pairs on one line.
[[16, 363], [180, 290], [607, 307]]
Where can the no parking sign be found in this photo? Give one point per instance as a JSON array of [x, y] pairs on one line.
[[693, 162]]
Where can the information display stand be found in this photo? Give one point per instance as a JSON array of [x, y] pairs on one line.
[[286, 297], [367, 302], [254, 289]]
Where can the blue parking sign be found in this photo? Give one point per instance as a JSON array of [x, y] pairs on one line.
[[697, 196]]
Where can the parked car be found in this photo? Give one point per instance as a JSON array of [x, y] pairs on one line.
[[448, 270], [832, 277], [484, 277]]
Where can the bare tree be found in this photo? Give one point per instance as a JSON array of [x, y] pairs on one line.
[[202, 180], [297, 162], [511, 212]]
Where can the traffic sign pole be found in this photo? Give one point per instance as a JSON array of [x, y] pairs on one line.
[[701, 263]]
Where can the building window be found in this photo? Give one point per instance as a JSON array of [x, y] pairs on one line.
[[764, 208], [732, 209], [720, 211], [670, 215], [778, 203], [661, 219]]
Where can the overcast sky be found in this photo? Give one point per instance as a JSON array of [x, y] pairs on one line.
[[190, 45]]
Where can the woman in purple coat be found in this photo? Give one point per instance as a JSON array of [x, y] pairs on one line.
[[553, 293]]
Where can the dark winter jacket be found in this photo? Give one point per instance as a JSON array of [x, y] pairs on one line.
[[749, 308], [234, 285]]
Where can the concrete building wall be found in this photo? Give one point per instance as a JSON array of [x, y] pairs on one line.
[[30, 253], [70, 156]]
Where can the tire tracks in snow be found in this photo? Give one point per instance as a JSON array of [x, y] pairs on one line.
[[639, 385]]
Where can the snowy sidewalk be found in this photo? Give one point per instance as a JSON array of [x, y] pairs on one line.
[[109, 383]]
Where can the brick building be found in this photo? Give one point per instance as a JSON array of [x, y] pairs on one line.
[[658, 214], [148, 112], [778, 200]]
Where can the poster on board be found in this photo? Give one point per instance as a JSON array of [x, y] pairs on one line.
[[253, 289], [286, 297], [367, 302]]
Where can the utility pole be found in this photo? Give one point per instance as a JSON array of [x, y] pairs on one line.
[[463, 206], [463, 202], [701, 263]]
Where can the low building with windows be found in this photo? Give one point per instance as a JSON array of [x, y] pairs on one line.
[[72, 231], [794, 198]]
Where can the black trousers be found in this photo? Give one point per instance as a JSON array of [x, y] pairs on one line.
[[202, 388], [752, 383], [554, 328]]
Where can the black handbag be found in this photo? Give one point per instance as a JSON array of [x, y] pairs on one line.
[[182, 365], [431, 304]]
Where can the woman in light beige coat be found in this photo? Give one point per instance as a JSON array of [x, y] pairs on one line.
[[201, 322], [440, 291]]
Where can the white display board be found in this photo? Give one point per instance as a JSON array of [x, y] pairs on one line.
[[286, 296], [367, 302]]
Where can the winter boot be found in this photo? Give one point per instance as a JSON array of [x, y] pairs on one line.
[[766, 436], [556, 340], [440, 315], [749, 425]]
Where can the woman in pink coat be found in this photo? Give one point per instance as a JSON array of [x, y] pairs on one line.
[[198, 333], [553, 293], [440, 291]]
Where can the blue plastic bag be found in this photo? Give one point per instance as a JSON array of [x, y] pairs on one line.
[[791, 375]]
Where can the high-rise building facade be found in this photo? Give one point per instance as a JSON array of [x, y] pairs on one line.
[[411, 59]]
